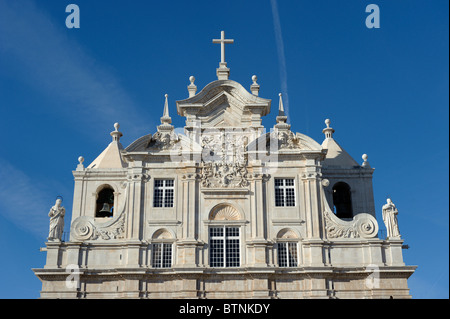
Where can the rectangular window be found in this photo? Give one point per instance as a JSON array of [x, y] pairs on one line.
[[284, 192], [162, 255], [287, 254], [163, 195], [224, 248]]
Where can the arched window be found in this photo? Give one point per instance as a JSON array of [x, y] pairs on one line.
[[162, 249], [287, 248], [105, 202], [342, 200]]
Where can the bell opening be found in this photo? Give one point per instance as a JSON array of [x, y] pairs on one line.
[[105, 203]]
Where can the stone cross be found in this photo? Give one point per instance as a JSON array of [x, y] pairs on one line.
[[222, 42]]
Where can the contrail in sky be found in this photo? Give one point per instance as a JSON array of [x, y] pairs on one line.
[[281, 56], [89, 95]]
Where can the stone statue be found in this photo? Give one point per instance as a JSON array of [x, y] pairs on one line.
[[390, 213], [56, 215]]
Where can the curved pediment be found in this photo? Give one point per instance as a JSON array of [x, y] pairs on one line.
[[224, 103], [284, 140], [157, 142]]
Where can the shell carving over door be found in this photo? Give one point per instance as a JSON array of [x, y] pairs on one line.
[[225, 212]]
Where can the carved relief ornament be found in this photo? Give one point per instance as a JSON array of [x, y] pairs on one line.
[[362, 226]]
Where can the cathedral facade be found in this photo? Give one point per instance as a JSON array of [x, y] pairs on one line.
[[225, 208]]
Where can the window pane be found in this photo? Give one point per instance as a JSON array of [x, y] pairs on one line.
[[232, 231], [158, 198], [290, 197], [167, 256], [233, 259], [279, 197], [216, 253], [292, 254], [156, 256], [216, 232], [232, 247], [282, 258], [169, 182], [289, 182], [168, 198]]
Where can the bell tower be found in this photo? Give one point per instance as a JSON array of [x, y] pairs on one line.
[[350, 189]]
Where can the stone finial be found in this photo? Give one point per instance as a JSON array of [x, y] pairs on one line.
[[166, 107], [166, 119], [365, 164], [116, 135], [280, 105], [80, 166], [192, 88], [281, 118], [328, 131], [254, 88]]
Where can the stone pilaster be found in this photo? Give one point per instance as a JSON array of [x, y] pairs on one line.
[[188, 247], [134, 210]]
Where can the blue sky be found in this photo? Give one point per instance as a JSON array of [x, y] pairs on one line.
[[385, 91]]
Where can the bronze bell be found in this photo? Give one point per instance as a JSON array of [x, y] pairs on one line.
[[105, 209]]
